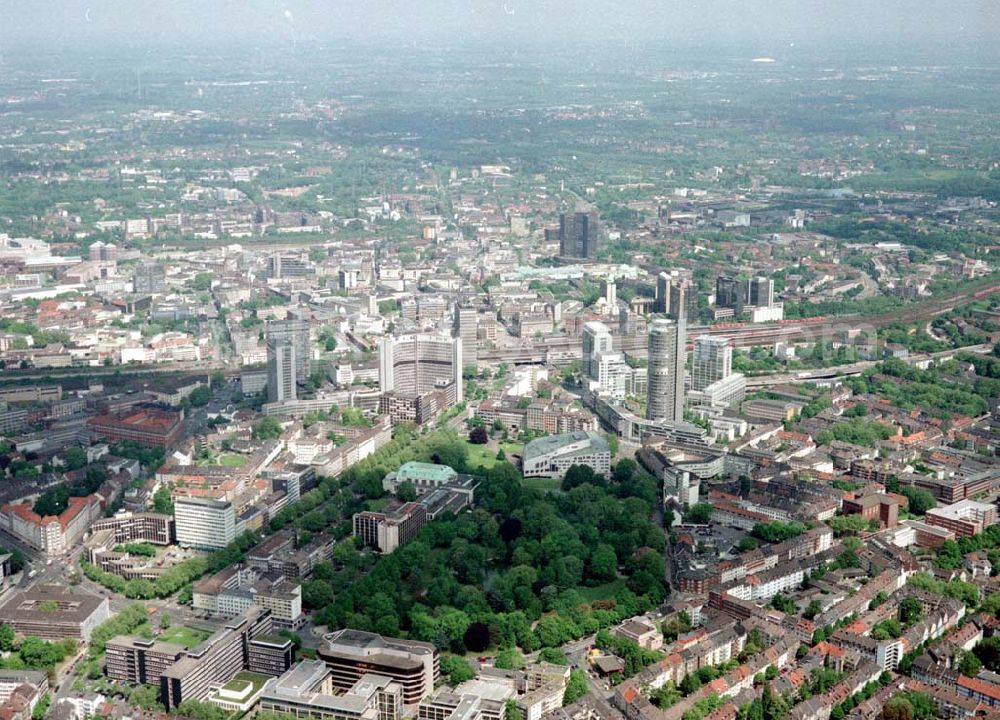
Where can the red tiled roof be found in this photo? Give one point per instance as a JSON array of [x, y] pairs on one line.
[[978, 686], [718, 686]]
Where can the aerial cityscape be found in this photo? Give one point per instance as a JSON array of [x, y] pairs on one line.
[[361, 361]]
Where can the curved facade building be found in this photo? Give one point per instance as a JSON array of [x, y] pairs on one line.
[[417, 364], [665, 389], [351, 654]]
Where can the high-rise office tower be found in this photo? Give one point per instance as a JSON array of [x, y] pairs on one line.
[[712, 361], [728, 292], [612, 374], [578, 235], [282, 374], [413, 365], [628, 322], [610, 292], [204, 523], [348, 278], [103, 252], [465, 327], [295, 331], [665, 389], [760, 292], [596, 339], [663, 282], [683, 300]]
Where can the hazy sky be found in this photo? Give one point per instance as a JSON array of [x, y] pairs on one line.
[[757, 22]]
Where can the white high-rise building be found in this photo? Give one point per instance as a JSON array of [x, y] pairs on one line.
[[612, 374], [466, 327], [664, 281], [667, 354], [282, 370], [610, 291], [596, 339], [418, 364], [203, 523], [712, 361]]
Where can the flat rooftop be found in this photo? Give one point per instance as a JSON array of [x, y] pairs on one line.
[[495, 690], [361, 644], [962, 510], [300, 682], [430, 471], [50, 603], [154, 646]]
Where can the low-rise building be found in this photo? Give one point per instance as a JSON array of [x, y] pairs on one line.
[[52, 612], [198, 672], [386, 531], [138, 661], [147, 426], [20, 693], [232, 591], [239, 694], [965, 518], [307, 691], [423, 476], [879, 507], [641, 632], [154, 528], [553, 455], [52, 534]]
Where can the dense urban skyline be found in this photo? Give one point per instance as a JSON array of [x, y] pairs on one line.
[[457, 360]]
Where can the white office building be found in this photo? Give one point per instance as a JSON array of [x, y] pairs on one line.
[[204, 524], [418, 364], [712, 361], [612, 374], [728, 392], [596, 339]]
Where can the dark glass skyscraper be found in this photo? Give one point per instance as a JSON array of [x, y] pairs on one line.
[[578, 235]]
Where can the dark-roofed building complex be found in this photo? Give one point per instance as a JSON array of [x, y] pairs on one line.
[[53, 612], [351, 654]]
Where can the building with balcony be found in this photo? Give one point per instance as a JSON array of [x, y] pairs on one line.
[[352, 654]]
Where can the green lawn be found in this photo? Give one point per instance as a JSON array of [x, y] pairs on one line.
[[183, 635], [543, 483], [241, 679], [224, 459], [481, 455], [487, 458], [512, 448]]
